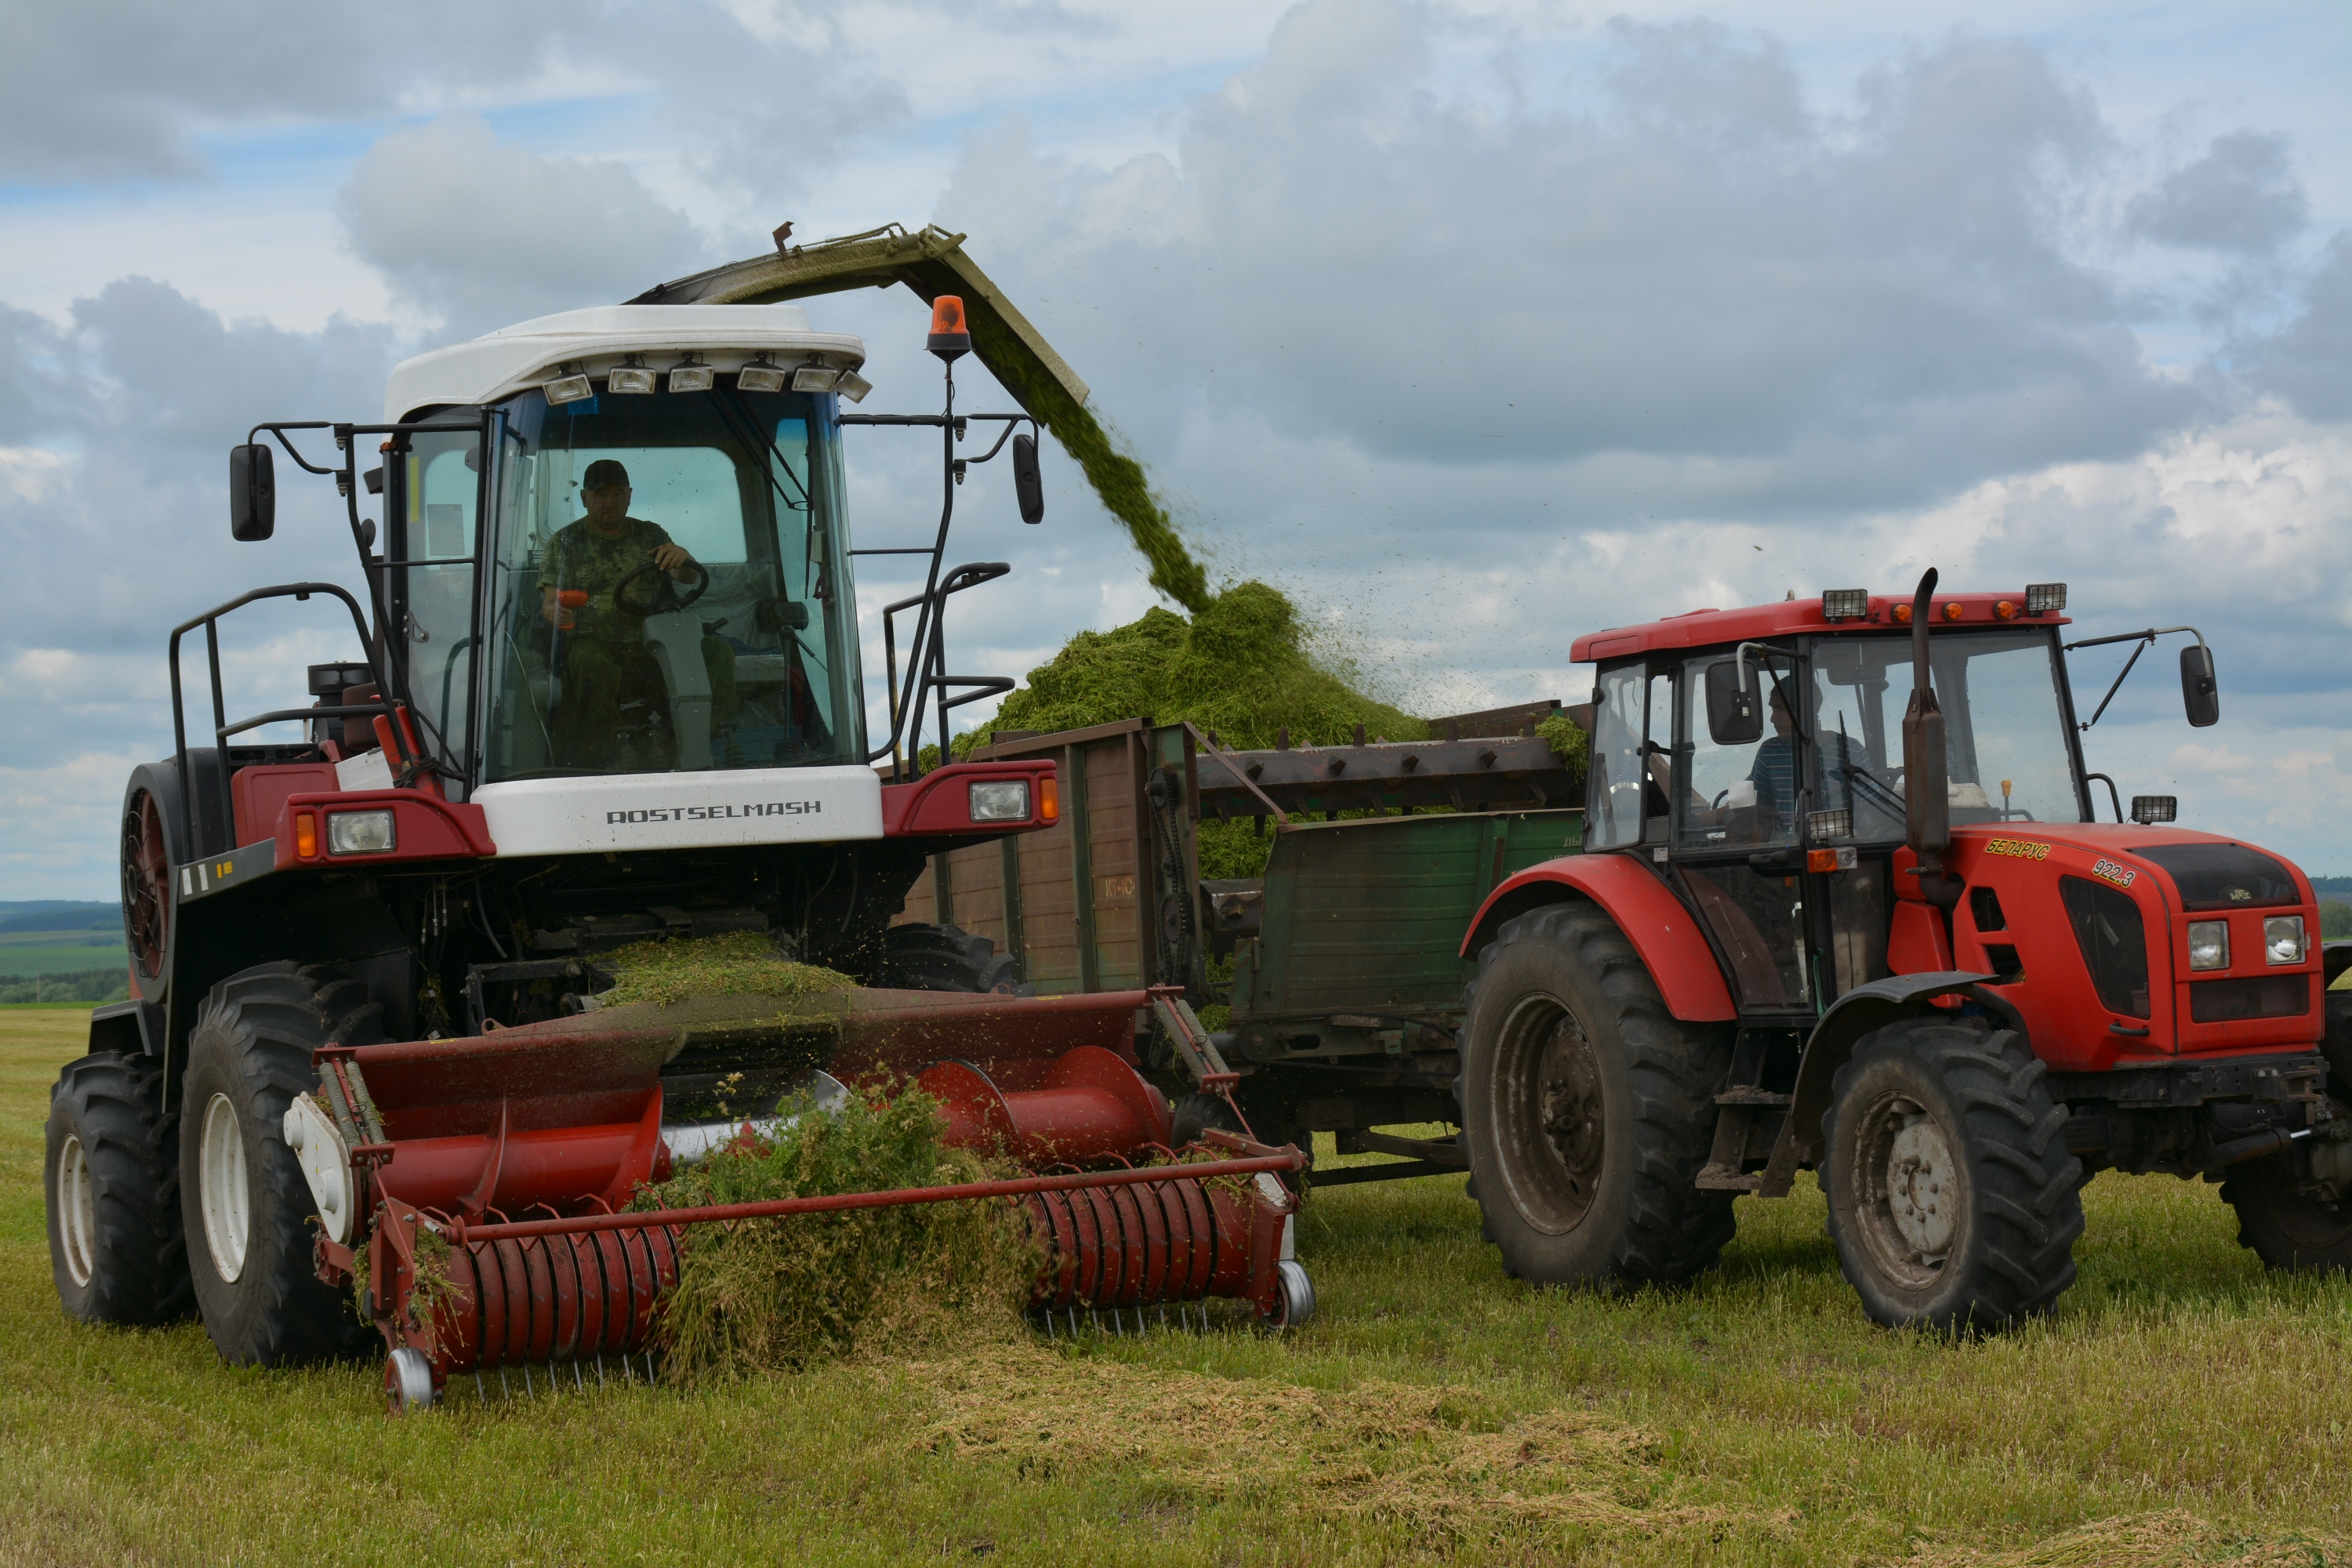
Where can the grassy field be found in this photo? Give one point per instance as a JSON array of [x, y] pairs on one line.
[[60, 952], [2183, 1407]]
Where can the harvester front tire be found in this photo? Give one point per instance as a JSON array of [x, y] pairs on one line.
[[247, 1208], [112, 1178], [946, 958], [1588, 1109], [1952, 1200], [2285, 1228]]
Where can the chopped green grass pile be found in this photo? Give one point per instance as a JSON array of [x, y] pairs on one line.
[[738, 963], [788, 1294]]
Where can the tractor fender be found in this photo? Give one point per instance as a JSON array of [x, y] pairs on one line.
[[1870, 1005], [1660, 928]]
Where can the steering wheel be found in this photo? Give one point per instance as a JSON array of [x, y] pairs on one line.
[[665, 596]]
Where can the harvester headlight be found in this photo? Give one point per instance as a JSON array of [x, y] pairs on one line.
[[1000, 800], [691, 375], [760, 377], [571, 386], [629, 378], [2283, 938], [853, 386], [361, 833], [2044, 598], [2209, 944], [1845, 603], [814, 378]]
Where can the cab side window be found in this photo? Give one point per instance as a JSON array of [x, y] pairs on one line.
[[1615, 780]]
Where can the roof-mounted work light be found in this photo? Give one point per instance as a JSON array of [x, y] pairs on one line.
[[691, 375], [815, 377], [853, 386], [632, 377], [759, 375], [569, 385], [2044, 598], [1845, 603]]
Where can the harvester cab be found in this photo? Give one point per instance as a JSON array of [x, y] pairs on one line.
[[606, 695], [1878, 931]]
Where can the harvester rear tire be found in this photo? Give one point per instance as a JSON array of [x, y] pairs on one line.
[[1952, 1200], [2285, 1228], [947, 957], [247, 1208], [1588, 1109], [112, 1178]]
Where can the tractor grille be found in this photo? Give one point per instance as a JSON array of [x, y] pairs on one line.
[[2114, 942], [2264, 997], [2223, 876]]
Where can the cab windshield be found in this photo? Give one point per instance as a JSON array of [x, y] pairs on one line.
[[669, 587]]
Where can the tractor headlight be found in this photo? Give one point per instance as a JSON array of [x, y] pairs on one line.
[[2283, 938], [1000, 800], [2209, 944], [361, 833]]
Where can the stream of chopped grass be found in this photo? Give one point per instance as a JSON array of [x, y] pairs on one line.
[[2183, 1406]]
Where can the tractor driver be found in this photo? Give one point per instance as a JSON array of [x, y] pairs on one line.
[[606, 663], [1774, 772]]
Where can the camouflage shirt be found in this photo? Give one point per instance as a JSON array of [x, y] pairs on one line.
[[580, 557]]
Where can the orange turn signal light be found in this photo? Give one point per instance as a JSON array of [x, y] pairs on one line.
[[2006, 610], [306, 836], [1821, 860], [1951, 610], [1049, 799], [1903, 614]]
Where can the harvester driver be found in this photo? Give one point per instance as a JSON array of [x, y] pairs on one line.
[[602, 652]]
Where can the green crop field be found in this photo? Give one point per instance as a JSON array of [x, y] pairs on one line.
[[2182, 1408], [60, 952]]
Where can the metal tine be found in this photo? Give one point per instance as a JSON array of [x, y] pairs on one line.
[[578, 1383], [600, 1369], [480, 1392], [504, 1391], [649, 1369]]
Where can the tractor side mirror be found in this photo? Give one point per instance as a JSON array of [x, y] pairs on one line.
[[1735, 710], [2198, 692], [252, 493], [1028, 484]]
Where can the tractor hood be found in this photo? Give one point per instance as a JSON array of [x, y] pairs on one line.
[[524, 355], [2200, 871]]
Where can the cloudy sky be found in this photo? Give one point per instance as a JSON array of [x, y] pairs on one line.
[[1472, 326]]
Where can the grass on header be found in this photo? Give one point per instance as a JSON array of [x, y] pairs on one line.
[[2183, 1407]]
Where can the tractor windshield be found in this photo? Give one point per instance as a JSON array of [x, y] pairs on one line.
[[670, 586], [2005, 729]]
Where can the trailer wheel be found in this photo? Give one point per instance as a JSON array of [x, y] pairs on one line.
[[947, 957], [1588, 1108], [247, 1207], [111, 1176], [2287, 1229], [1953, 1202]]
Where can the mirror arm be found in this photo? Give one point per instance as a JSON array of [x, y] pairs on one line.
[[280, 431], [2146, 641]]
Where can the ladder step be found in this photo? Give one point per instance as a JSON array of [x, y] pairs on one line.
[[1729, 1179], [1755, 1097]]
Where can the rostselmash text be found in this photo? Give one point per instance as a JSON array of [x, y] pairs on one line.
[[716, 812]]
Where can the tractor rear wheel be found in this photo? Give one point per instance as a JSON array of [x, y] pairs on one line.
[[1588, 1109], [2285, 1228], [1953, 1201], [111, 1176], [248, 1209], [946, 958]]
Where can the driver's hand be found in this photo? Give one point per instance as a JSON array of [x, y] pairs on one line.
[[673, 559]]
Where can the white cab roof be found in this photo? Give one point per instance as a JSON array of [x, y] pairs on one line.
[[514, 358]]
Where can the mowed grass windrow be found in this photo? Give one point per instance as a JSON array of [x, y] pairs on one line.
[[2181, 1407]]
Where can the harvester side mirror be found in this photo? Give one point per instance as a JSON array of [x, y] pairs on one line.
[[1028, 484], [252, 493], [1735, 710], [2198, 692]]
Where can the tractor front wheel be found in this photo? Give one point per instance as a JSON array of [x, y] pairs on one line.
[[1588, 1109], [248, 1209], [112, 1175], [1953, 1201], [918, 957], [2285, 1228]]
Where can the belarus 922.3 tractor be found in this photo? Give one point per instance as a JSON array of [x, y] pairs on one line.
[[365, 1014], [1827, 917]]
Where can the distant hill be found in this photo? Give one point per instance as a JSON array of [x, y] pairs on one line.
[[2331, 886], [57, 914]]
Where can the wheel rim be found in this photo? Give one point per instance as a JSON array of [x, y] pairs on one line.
[[77, 1211], [1911, 1191], [146, 874], [221, 1187], [1550, 1115]]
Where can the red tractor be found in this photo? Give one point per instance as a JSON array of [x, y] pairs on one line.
[[607, 692], [1829, 917]]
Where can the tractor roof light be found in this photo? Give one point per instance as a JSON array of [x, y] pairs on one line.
[[1951, 609], [630, 377], [571, 385], [1845, 603], [2044, 598], [815, 377], [2005, 610], [951, 337], [853, 386], [1903, 612], [2149, 808], [759, 375], [691, 375]]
